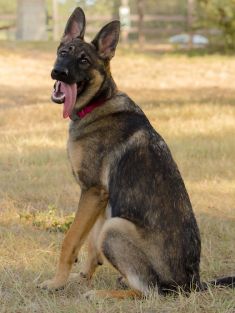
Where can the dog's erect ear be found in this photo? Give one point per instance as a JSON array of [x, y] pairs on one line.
[[75, 27], [106, 40]]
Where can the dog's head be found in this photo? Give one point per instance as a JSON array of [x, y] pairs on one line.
[[81, 68]]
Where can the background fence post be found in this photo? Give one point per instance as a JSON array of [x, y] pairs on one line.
[[125, 19], [190, 9], [140, 8], [55, 17]]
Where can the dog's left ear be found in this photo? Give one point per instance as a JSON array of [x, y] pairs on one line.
[[107, 39], [75, 27]]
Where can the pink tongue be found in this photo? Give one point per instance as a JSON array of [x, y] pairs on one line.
[[70, 92]]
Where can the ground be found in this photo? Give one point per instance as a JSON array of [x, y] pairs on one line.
[[189, 100]]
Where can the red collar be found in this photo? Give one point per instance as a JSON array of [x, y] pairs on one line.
[[90, 107]]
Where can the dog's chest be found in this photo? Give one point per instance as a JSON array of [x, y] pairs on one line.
[[75, 154]]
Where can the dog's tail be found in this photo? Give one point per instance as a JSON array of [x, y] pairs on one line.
[[228, 281]]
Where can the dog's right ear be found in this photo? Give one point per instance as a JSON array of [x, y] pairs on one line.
[[106, 40], [75, 27]]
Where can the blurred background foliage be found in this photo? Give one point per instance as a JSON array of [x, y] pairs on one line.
[[106, 6], [214, 19], [219, 14]]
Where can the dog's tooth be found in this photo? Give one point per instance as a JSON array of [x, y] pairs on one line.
[[57, 86]]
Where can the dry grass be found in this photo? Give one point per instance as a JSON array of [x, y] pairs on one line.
[[190, 101]]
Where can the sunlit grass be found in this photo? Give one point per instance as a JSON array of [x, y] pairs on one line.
[[190, 101]]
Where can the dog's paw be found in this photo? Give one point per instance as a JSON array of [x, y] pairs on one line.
[[84, 276], [51, 285], [80, 278], [90, 295]]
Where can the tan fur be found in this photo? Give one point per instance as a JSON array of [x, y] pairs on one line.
[[75, 153], [91, 205], [94, 257], [143, 242], [114, 294], [91, 90]]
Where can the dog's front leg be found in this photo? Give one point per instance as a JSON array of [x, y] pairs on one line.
[[94, 257], [92, 202]]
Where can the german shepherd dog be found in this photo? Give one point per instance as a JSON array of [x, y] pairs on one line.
[[134, 205]]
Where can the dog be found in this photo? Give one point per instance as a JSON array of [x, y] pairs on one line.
[[134, 210]]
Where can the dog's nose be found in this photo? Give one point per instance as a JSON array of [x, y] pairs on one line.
[[59, 72]]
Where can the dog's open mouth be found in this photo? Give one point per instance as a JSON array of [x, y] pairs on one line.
[[67, 94]]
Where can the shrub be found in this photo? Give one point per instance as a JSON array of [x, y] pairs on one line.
[[220, 15]]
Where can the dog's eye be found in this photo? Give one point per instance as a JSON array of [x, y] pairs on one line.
[[71, 48]]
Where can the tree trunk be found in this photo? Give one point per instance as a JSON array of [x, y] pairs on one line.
[[31, 20]]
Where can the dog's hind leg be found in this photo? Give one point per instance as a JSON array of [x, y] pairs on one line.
[[122, 245]]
